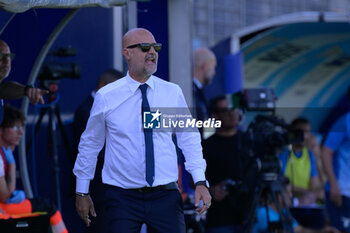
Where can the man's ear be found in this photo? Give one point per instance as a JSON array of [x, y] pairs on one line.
[[126, 53]]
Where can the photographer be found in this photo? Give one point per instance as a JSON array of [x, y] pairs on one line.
[[14, 90], [226, 164], [299, 165]]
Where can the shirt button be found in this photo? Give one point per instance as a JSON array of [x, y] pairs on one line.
[[143, 144]]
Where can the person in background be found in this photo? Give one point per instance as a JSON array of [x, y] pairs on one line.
[[299, 166], [310, 141], [336, 161], [82, 113], [81, 117], [204, 64], [227, 165], [13, 202], [14, 90]]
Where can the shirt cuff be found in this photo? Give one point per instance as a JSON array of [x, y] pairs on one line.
[[198, 175], [82, 186]]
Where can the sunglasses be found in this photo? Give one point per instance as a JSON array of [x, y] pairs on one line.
[[145, 47], [6, 55]]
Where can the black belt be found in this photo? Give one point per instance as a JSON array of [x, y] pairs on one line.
[[170, 186]]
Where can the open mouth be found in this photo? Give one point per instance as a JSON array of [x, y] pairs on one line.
[[150, 60], [3, 68]]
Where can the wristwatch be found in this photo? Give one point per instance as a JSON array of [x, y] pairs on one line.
[[202, 182], [26, 89], [82, 194]]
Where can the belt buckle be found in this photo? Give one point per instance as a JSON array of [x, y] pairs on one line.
[[140, 190], [143, 189]]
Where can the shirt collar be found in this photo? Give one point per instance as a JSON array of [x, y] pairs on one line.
[[93, 94], [197, 83], [134, 85]]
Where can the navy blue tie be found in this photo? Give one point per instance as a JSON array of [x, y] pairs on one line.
[[148, 138]]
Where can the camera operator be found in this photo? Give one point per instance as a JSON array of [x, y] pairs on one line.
[[226, 166], [14, 90]]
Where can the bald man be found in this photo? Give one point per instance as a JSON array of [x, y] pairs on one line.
[[14, 90], [140, 169], [204, 64]]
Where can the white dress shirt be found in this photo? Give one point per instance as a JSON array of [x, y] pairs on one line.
[[116, 117]]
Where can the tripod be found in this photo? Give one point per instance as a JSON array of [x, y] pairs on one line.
[[54, 118], [270, 189]]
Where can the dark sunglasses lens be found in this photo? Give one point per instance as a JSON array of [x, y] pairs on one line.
[[145, 47], [6, 55], [157, 47]]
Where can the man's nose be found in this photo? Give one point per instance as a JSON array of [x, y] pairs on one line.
[[152, 50], [20, 130]]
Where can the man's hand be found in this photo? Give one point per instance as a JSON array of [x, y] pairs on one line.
[[202, 193], [336, 195], [84, 206], [35, 95], [329, 229], [218, 192]]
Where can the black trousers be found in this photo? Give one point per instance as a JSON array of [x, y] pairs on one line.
[[128, 209]]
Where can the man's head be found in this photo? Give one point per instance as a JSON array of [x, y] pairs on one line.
[[11, 128], [302, 124], [5, 60], [107, 77], [141, 57], [221, 110], [204, 65]]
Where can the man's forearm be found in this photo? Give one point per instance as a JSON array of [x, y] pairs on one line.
[[11, 180], [327, 155], [315, 183], [11, 90]]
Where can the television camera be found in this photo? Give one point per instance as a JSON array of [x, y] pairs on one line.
[[267, 133], [52, 71], [50, 75], [266, 137]]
